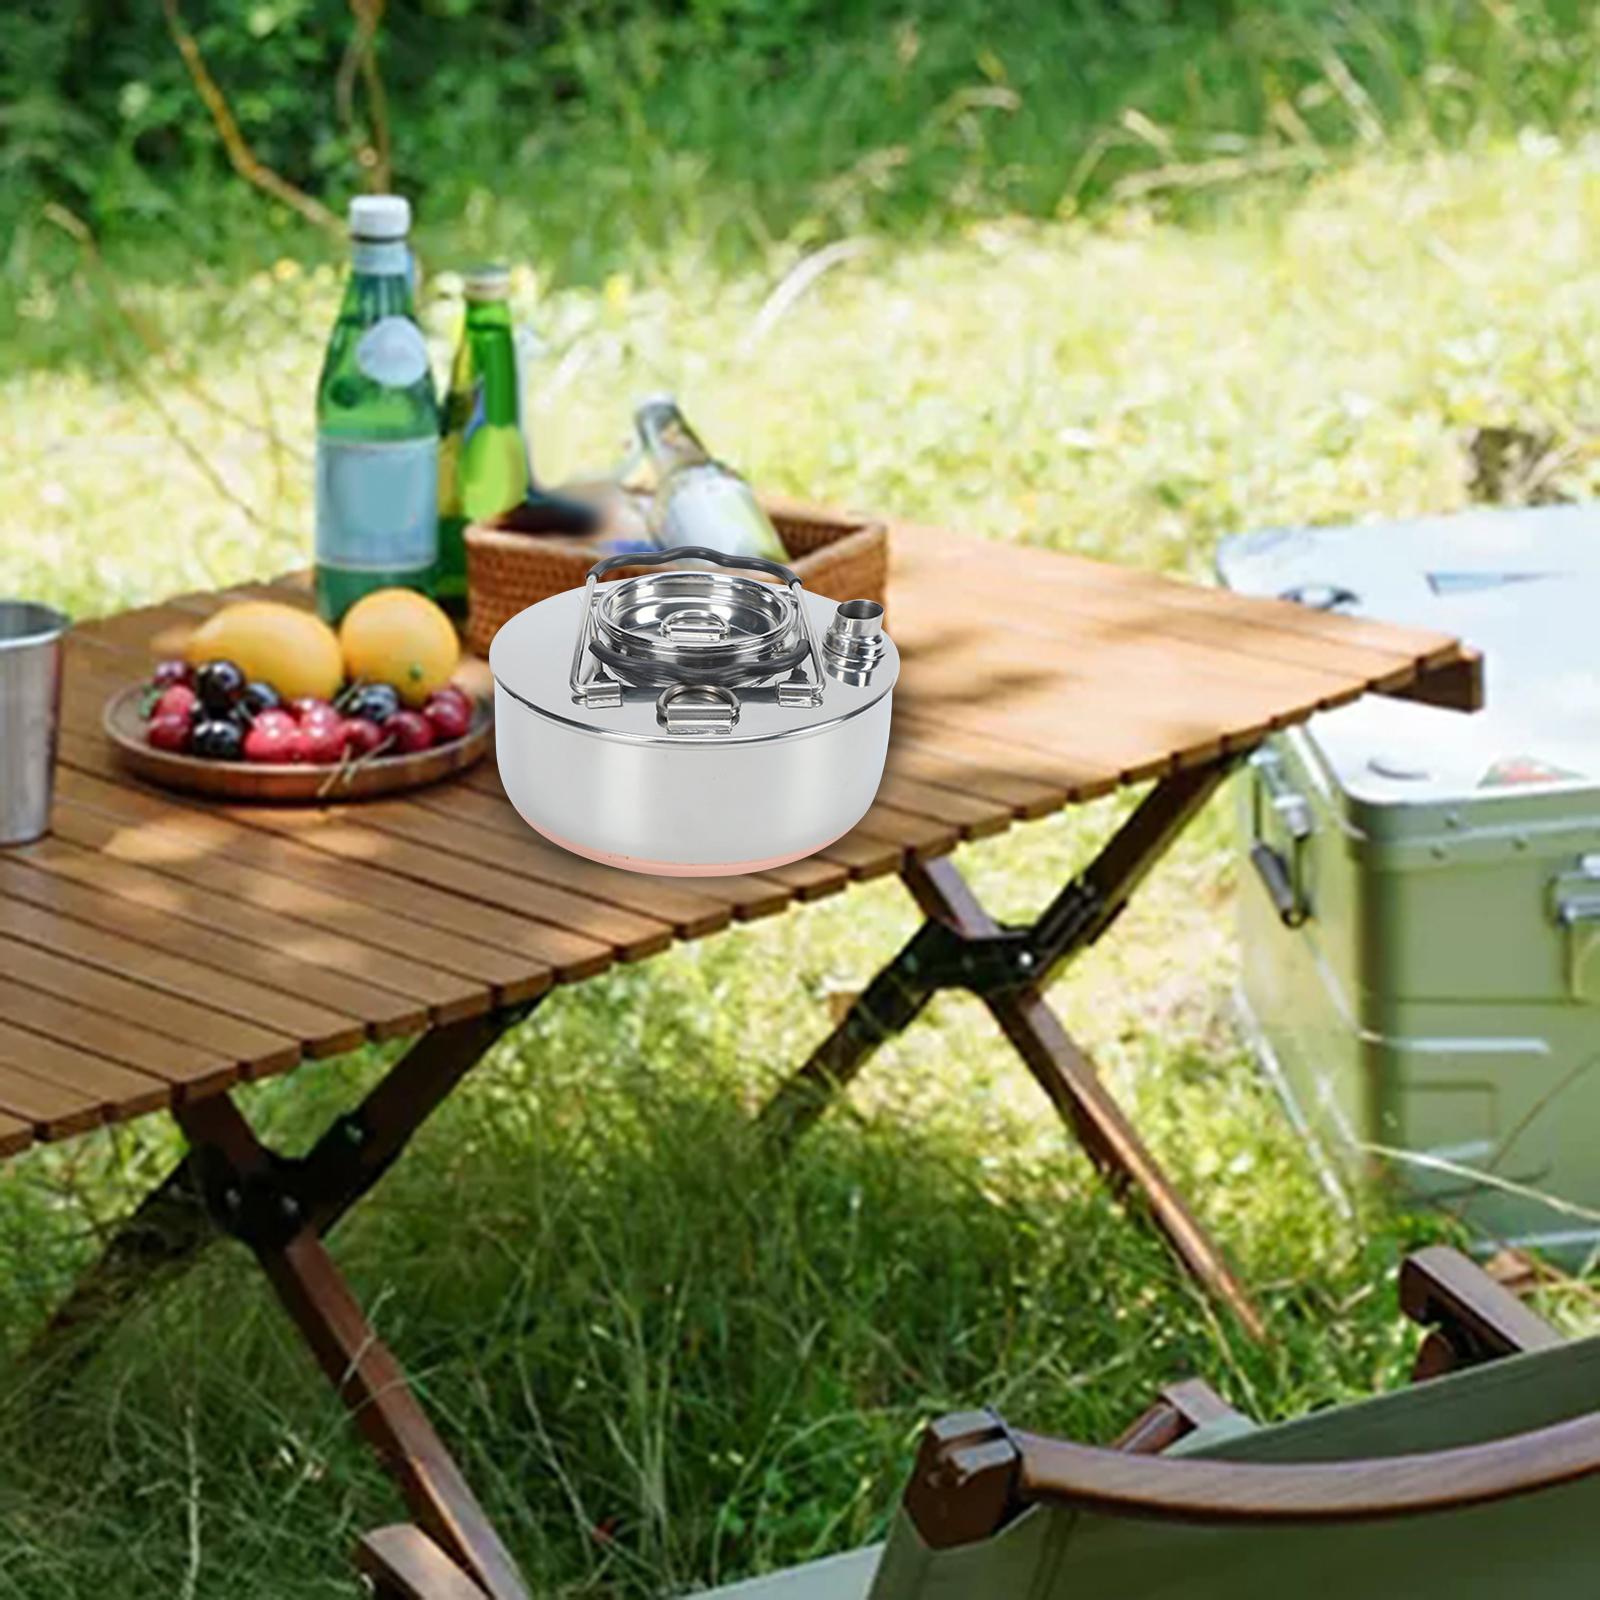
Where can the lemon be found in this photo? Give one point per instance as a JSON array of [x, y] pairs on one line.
[[293, 650], [401, 637]]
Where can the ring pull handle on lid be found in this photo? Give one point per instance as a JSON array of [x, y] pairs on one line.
[[697, 622], [697, 708]]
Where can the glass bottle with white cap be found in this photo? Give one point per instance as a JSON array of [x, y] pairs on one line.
[[377, 498], [699, 500]]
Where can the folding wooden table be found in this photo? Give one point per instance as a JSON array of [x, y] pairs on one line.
[[157, 950]]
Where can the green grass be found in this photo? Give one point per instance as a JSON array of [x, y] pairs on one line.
[[663, 1361]]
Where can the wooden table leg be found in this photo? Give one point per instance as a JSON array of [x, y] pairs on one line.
[[889, 1004], [171, 1227], [168, 1231], [1068, 1077], [961, 946], [281, 1207], [357, 1363]]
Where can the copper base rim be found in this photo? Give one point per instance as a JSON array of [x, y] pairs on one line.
[[679, 869]]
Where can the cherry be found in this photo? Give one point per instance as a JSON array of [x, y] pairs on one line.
[[451, 715], [308, 708], [169, 730], [322, 739], [453, 691], [275, 737], [411, 730], [363, 736], [177, 700]]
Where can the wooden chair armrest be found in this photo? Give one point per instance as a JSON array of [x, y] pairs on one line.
[[1344, 1491], [403, 1563], [974, 1474], [1471, 1318], [1180, 1409]]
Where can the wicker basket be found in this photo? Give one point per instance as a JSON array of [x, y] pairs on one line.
[[835, 554]]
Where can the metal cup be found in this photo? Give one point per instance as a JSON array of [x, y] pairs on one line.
[[30, 712]]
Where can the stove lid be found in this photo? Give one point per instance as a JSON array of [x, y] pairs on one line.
[[703, 652], [700, 626]]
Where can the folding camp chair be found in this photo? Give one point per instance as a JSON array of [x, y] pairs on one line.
[[1477, 1483]]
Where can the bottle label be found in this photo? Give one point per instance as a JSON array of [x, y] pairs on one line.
[[712, 507], [377, 503], [393, 353]]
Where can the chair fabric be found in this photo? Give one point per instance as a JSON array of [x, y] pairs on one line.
[[1536, 1546], [846, 1577], [1210, 1436]]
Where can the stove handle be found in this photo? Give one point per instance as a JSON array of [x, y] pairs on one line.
[[694, 552]]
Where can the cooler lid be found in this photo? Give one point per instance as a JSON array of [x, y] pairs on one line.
[[1521, 586]]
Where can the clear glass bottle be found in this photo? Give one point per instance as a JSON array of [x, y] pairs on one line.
[[699, 500], [483, 459], [377, 424]]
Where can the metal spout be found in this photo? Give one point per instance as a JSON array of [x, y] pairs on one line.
[[857, 619], [853, 645]]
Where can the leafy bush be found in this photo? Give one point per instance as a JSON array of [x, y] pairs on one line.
[[963, 104]]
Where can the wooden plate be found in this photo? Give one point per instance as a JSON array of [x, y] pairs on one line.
[[290, 785]]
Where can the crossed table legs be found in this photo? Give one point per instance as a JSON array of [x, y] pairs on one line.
[[962, 946], [281, 1207]]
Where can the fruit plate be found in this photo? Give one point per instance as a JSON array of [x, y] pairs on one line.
[[290, 784]]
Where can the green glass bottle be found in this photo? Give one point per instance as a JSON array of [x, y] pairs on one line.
[[483, 460], [377, 424]]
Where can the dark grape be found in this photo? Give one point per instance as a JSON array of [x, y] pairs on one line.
[[170, 672], [257, 697], [377, 702], [218, 740], [218, 685]]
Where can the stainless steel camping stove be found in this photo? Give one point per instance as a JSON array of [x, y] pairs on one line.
[[693, 720]]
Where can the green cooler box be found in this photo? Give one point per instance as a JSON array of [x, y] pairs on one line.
[[1421, 907]]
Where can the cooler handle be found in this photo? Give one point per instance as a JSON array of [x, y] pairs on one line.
[[1577, 907], [1279, 874], [1278, 880]]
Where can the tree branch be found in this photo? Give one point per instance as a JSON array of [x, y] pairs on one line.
[[361, 55], [244, 160]]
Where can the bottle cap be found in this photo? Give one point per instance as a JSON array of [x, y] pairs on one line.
[[486, 282], [380, 216], [660, 400]]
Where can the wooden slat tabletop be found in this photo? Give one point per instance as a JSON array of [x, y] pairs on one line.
[[155, 947]]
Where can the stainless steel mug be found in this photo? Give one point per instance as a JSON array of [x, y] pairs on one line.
[[30, 710]]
